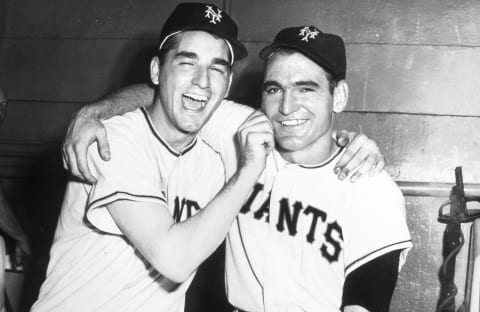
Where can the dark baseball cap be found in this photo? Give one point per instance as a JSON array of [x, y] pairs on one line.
[[205, 17], [327, 50]]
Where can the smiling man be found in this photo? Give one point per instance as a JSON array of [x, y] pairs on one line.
[[133, 241], [306, 241]]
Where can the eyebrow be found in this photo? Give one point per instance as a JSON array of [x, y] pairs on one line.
[[306, 83], [193, 56], [301, 83], [186, 54], [270, 83]]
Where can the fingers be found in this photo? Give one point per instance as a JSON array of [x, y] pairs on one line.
[[347, 158], [70, 152], [372, 165], [257, 122], [361, 156], [257, 125], [256, 140], [259, 134], [80, 135], [67, 142], [81, 151], [260, 140], [365, 167], [72, 162], [379, 166]]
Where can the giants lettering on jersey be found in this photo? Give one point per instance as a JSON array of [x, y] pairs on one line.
[[184, 209], [288, 217]]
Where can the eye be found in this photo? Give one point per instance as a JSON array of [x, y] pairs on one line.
[[305, 90], [186, 63], [219, 69], [272, 90]]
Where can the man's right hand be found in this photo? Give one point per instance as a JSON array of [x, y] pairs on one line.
[[82, 132], [85, 127], [256, 141]]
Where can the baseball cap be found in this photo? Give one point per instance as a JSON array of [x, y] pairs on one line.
[[327, 50], [205, 17]]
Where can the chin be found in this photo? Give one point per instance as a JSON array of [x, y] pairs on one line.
[[191, 128], [290, 144]]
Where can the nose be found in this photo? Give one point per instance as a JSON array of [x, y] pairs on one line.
[[289, 104], [201, 77]]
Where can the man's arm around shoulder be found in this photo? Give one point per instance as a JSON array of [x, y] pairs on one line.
[[85, 127]]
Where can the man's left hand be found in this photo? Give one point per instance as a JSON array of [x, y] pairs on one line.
[[362, 155]]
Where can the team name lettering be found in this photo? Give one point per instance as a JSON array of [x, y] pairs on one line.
[[184, 209], [288, 218], [256, 189], [333, 229]]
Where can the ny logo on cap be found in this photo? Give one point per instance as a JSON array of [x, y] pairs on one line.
[[215, 16], [306, 33]]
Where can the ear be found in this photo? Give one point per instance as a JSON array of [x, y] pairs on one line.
[[154, 70], [340, 96]]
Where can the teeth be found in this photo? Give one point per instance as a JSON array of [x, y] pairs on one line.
[[293, 122], [198, 98], [195, 102]]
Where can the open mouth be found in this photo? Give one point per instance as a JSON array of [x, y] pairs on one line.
[[292, 122], [194, 102]]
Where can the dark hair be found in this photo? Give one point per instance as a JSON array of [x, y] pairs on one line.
[[172, 43], [332, 82]]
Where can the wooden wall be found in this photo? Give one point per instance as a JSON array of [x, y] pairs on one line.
[[413, 70]]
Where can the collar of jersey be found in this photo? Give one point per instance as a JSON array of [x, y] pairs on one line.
[[155, 133], [281, 162]]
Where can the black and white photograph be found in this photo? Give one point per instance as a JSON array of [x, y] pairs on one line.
[[240, 156]]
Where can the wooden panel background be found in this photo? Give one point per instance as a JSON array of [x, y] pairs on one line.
[[413, 71]]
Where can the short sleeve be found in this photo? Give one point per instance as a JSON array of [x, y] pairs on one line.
[[131, 174], [375, 222], [220, 131]]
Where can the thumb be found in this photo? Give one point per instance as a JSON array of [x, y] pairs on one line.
[[342, 138], [103, 145]]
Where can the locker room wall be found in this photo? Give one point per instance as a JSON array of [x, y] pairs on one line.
[[413, 70]]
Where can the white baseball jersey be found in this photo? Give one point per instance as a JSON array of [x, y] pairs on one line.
[[302, 232], [92, 266]]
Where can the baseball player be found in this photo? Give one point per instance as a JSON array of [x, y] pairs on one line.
[[133, 241], [305, 241]]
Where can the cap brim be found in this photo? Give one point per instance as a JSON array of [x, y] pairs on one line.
[[268, 50], [239, 50]]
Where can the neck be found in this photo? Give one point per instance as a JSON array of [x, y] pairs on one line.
[[166, 129]]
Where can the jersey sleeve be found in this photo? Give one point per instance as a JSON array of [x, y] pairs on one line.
[[130, 175], [220, 131], [371, 286], [375, 222]]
